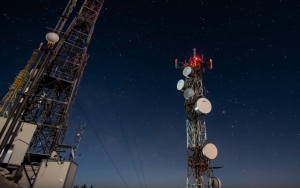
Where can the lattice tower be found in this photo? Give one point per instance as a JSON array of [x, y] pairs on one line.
[[49, 94], [197, 106]]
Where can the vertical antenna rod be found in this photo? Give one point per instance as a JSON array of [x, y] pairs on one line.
[[77, 140]]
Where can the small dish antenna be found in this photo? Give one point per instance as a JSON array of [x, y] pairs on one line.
[[210, 151], [202, 106], [181, 85], [188, 72], [188, 93], [52, 38]]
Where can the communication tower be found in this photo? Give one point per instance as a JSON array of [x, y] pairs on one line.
[[31, 137], [197, 106]]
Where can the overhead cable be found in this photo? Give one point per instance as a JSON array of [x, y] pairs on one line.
[[100, 142]]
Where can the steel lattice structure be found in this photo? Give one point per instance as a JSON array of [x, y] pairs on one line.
[[8, 100], [48, 96], [199, 167]]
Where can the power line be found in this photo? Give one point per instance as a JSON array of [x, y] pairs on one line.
[[140, 161], [100, 141], [116, 110]]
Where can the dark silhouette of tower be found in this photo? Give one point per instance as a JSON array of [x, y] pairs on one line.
[[39, 117]]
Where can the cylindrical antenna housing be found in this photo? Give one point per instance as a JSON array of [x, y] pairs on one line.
[[194, 52]]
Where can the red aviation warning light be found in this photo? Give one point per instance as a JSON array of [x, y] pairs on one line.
[[194, 62]]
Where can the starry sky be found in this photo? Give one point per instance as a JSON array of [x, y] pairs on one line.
[[129, 86]]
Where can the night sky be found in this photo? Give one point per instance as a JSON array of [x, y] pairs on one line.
[[254, 87]]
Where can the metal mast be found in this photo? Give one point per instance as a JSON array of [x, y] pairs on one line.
[[8, 100], [77, 140], [65, 16], [199, 151], [48, 97]]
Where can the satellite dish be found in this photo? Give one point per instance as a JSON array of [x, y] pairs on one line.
[[181, 85], [202, 106], [215, 182], [188, 93], [188, 72], [210, 151], [52, 37]]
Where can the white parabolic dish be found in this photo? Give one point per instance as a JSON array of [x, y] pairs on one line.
[[188, 93], [181, 85], [203, 106], [216, 182], [210, 151], [187, 72], [52, 37]]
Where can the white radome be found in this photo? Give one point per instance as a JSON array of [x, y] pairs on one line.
[[188, 93], [181, 85], [187, 72], [210, 151], [52, 37], [203, 106]]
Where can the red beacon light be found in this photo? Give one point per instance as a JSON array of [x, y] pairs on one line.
[[210, 64]]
